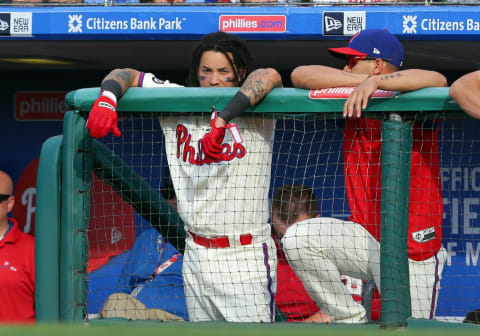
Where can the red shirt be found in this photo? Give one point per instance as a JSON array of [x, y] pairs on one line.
[[363, 174], [17, 276]]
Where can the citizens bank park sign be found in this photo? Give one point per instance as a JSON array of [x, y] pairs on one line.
[[266, 22]]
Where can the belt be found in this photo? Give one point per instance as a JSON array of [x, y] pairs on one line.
[[219, 242]]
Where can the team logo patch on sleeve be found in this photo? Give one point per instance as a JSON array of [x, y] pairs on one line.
[[158, 81], [424, 236]]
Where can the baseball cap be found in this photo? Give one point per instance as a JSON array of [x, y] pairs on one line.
[[112, 229], [378, 43]]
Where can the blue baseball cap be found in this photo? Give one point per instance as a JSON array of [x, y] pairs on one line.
[[378, 43]]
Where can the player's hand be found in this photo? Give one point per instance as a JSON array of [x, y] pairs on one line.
[[319, 317], [359, 98], [103, 118], [212, 141]]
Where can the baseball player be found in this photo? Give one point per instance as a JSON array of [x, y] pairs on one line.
[[221, 180], [292, 299], [374, 57], [465, 92]]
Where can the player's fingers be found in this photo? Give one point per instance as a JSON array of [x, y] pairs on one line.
[[214, 149], [115, 130], [366, 98], [350, 106], [216, 157], [105, 126], [359, 106], [346, 107], [209, 147], [94, 129]]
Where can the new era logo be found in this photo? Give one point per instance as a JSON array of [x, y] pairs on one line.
[[3, 25], [116, 236], [376, 51], [344, 23], [332, 23]]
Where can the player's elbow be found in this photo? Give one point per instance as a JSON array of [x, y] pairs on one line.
[[274, 76], [298, 75], [269, 74], [441, 80], [461, 91]]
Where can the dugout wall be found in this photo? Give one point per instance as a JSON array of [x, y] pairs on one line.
[[74, 155]]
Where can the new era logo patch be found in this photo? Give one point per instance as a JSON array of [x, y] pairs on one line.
[[343, 23]]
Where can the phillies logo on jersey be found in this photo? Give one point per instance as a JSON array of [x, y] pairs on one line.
[[196, 156], [26, 198]]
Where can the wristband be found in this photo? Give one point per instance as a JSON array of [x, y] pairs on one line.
[[235, 106], [110, 95], [113, 86]]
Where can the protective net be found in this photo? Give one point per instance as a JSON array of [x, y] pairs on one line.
[[284, 225], [137, 253]]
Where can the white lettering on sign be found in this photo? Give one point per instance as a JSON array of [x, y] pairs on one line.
[[28, 200]]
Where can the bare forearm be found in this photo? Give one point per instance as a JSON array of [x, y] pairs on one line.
[[319, 77], [319, 317], [125, 77], [256, 86], [410, 80], [259, 83], [466, 92]]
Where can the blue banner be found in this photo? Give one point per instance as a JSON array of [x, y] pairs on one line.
[[256, 23]]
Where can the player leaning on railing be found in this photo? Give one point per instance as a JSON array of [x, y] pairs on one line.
[[374, 57], [220, 179]]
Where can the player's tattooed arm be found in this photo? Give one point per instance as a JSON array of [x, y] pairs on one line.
[[409, 80], [256, 86], [259, 83], [406, 80], [119, 80]]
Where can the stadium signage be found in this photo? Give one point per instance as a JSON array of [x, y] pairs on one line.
[[35, 105], [412, 24], [16, 24], [344, 92], [253, 23], [77, 23], [461, 213], [344, 23]]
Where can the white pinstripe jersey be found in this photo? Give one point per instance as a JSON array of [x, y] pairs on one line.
[[225, 198]]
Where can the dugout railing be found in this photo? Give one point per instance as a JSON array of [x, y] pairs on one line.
[[66, 162]]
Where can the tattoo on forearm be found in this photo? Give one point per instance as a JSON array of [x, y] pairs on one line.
[[123, 77], [258, 84], [391, 76]]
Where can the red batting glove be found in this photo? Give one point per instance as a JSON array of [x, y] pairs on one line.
[[212, 142], [103, 118]]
